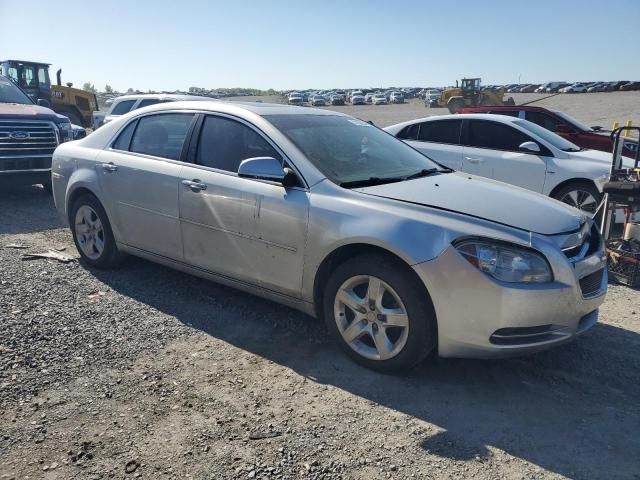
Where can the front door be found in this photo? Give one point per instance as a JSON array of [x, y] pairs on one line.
[[249, 230], [492, 150], [140, 178]]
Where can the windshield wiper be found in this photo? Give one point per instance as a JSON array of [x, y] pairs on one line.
[[425, 172], [368, 182]]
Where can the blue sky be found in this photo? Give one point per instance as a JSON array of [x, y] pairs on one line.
[[166, 45]]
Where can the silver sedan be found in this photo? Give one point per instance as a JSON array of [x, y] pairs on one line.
[[328, 214]]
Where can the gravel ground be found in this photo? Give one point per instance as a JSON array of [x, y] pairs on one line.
[[145, 372], [591, 108]]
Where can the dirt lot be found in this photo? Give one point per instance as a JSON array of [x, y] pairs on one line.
[[171, 376], [591, 108], [150, 371]]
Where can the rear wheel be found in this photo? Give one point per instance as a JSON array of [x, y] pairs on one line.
[[455, 104], [379, 313], [92, 233], [581, 195]]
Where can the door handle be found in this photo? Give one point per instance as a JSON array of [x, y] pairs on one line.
[[195, 185], [474, 159], [109, 167]]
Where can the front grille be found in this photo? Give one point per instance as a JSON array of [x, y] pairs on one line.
[[591, 283], [28, 163], [589, 246], [26, 144], [512, 336]]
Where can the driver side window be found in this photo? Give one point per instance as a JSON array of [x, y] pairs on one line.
[[225, 143]]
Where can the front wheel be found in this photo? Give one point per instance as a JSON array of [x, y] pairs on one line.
[[379, 313], [581, 195], [92, 233]]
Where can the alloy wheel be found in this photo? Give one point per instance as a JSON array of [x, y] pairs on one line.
[[89, 232], [581, 200], [371, 317]]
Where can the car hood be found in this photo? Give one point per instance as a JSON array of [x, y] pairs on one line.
[[487, 199], [28, 112], [597, 156]]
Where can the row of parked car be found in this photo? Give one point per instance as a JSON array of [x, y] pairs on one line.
[[566, 87], [340, 97]]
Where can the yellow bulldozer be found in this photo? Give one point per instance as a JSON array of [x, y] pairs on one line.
[[33, 78], [470, 94]]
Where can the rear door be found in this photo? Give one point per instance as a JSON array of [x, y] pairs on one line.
[[140, 179], [437, 139], [492, 150]]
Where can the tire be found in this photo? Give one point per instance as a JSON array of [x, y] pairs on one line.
[[92, 233], [74, 118], [455, 104], [577, 195], [406, 344]]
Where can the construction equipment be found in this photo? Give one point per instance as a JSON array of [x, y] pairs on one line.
[[470, 94], [33, 78]]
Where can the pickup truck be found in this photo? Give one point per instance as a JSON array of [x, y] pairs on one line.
[[29, 133]]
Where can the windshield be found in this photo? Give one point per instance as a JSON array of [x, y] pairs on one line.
[[548, 136], [572, 121], [349, 150], [9, 93]]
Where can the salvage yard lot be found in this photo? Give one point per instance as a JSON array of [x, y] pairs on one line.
[[153, 372], [590, 108]]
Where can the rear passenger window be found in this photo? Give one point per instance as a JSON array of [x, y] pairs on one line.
[[162, 135], [147, 101], [225, 143], [496, 136], [441, 131], [122, 107], [124, 139]]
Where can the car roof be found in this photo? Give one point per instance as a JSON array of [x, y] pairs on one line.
[[256, 108], [161, 96], [505, 108]]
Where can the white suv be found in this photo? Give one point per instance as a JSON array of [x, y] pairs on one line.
[[128, 103]]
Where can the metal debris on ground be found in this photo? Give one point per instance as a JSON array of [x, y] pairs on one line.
[[61, 257]]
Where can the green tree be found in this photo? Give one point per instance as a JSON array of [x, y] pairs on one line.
[[108, 89], [89, 87]]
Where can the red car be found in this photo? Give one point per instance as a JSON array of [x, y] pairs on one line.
[[562, 124]]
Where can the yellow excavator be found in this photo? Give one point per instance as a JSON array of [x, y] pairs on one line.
[[470, 94]]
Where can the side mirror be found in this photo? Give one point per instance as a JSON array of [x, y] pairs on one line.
[[43, 103], [266, 168], [530, 147], [562, 128]]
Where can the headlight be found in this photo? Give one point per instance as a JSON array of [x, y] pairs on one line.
[[506, 262], [66, 131]]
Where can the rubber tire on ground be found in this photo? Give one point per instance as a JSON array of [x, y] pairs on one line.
[[110, 257], [423, 331], [587, 187]]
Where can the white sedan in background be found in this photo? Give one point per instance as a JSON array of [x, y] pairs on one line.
[[514, 151]]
